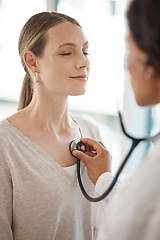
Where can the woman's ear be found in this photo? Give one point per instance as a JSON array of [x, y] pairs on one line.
[[150, 73], [30, 61]]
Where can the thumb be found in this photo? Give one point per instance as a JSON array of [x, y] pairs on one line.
[[81, 156]]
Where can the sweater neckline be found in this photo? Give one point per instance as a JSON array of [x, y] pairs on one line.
[[40, 151]]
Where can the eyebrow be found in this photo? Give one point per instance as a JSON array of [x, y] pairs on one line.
[[72, 44]]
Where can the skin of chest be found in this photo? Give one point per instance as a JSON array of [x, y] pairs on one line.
[[57, 145]]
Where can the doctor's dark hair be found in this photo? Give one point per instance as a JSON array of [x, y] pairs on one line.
[[144, 25], [33, 38]]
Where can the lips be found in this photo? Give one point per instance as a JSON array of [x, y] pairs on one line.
[[80, 77]]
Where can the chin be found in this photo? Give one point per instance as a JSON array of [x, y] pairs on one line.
[[78, 93], [143, 103], [140, 102]]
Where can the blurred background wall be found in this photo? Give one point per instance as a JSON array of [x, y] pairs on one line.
[[103, 22]]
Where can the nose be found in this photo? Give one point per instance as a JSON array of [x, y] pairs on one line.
[[82, 61]]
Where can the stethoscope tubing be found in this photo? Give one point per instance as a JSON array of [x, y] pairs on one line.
[[135, 143], [109, 189]]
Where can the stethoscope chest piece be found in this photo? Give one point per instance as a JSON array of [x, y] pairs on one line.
[[77, 145]]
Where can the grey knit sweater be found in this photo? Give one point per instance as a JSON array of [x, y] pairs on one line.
[[39, 200]]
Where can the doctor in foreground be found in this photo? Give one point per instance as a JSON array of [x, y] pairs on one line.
[[132, 212]]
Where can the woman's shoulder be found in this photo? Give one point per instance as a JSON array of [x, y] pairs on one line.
[[5, 131], [5, 138], [88, 126], [3, 126], [85, 119]]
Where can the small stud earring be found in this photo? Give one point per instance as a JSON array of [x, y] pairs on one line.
[[36, 77]]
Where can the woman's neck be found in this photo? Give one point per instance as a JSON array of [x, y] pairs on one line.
[[50, 114]]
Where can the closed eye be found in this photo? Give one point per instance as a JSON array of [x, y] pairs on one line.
[[65, 54]]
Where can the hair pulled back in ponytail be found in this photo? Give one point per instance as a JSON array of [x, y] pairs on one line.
[[26, 93], [32, 37]]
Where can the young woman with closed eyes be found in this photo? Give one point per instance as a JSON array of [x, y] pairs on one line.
[[40, 197]]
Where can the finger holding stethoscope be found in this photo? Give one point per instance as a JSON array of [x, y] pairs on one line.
[[97, 158]]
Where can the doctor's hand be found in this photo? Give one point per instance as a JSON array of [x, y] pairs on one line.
[[97, 159]]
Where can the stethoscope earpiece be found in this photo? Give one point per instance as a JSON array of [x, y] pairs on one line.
[[77, 145]]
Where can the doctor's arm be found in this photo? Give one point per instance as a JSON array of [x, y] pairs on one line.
[[98, 161]]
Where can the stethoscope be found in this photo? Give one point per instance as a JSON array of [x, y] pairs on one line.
[[79, 145]]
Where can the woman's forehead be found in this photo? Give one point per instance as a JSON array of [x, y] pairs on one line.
[[65, 32]]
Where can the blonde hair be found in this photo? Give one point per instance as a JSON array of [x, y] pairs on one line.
[[32, 37]]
